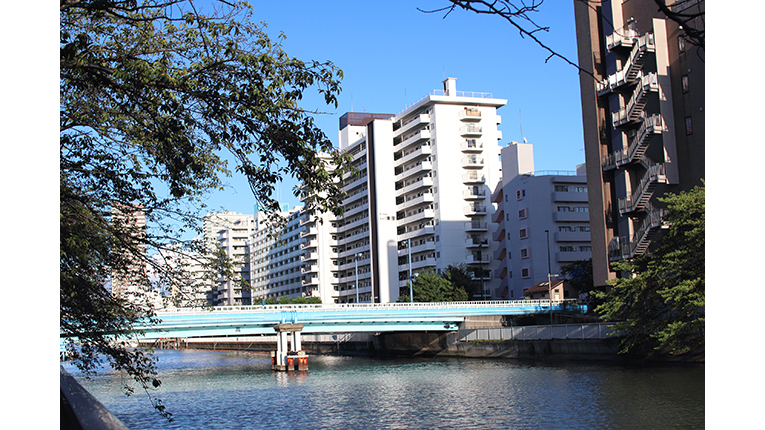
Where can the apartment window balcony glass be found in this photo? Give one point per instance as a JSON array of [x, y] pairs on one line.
[[472, 162], [471, 145], [470, 114], [473, 177], [471, 130]]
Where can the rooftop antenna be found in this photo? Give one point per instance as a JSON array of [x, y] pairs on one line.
[[521, 119]]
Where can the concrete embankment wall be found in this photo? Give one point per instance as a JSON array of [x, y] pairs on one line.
[[426, 344], [445, 345]]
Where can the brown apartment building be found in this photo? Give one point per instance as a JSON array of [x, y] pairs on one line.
[[643, 118]]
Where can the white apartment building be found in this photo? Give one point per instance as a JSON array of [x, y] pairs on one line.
[[543, 222], [233, 241], [188, 284], [276, 257], [421, 198]]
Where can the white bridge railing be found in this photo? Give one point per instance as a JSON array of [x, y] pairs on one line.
[[366, 306]]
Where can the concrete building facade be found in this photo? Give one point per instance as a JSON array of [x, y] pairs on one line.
[[542, 222], [643, 120], [421, 197]]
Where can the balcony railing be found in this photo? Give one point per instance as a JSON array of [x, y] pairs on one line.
[[638, 143], [472, 162], [469, 114], [656, 174], [471, 129], [473, 177], [634, 110], [471, 145]]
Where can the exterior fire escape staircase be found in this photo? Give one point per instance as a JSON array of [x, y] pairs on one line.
[[626, 247], [632, 67], [638, 143], [638, 200], [646, 84]]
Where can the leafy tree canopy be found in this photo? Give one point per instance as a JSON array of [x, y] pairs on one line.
[[429, 287], [154, 97], [659, 303]]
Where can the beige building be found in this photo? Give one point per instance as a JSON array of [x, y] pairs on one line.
[[129, 273], [643, 119]]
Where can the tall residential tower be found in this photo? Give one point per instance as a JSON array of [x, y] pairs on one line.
[[643, 118]]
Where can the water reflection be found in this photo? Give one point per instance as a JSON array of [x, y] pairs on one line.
[[205, 389]]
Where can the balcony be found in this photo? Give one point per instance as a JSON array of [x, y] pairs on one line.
[[476, 242], [476, 227], [475, 258], [415, 153], [418, 265], [418, 216], [473, 178], [572, 236], [571, 217], [570, 257], [473, 194], [499, 234], [413, 231], [470, 114], [311, 268], [471, 145], [624, 37], [414, 185], [416, 137], [472, 162], [427, 246], [569, 196], [425, 198], [471, 130], [425, 166], [474, 210], [310, 256], [411, 123]]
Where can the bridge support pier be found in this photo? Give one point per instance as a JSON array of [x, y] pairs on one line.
[[286, 358]]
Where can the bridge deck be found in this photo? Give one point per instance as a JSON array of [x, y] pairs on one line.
[[332, 318]]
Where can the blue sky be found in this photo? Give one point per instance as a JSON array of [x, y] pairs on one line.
[[392, 55]]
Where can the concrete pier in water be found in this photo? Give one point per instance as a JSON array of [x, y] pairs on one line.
[[286, 358]]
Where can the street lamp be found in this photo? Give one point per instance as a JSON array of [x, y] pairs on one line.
[[409, 250], [356, 260], [549, 275]]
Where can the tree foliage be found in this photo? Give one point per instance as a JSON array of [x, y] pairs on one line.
[[659, 300], [462, 277], [579, 273], [154, 97], [428, 286]]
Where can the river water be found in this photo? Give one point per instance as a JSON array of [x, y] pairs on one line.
[[225, 390]]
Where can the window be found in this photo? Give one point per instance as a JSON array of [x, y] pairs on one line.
[[688, 126], [523, 233], [561, 188], [520, 194], [684, 80], [681, 43], [524, 252], [525, 273], [567, 248], [522, 214]]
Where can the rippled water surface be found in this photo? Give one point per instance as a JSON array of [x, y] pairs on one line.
[[224, 390]]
